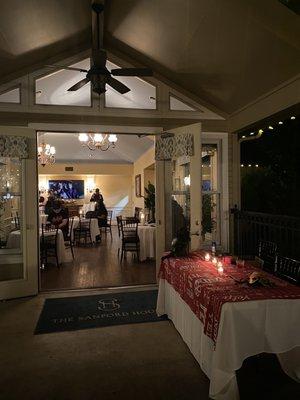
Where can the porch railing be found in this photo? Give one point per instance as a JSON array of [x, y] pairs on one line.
[[251, 227]]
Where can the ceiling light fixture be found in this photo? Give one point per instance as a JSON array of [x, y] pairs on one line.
[[98, 141], [46, 154]]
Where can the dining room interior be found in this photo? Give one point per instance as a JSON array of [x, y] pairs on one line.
[[103, 192]]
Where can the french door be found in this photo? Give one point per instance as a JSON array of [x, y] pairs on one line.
[[178, 186], [18, 213]]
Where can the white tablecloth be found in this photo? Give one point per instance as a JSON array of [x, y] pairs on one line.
[[88, 207], [246, 328], [95, 231], [147, 241], [14, 242]]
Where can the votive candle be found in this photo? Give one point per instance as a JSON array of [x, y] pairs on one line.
[[207, 257]]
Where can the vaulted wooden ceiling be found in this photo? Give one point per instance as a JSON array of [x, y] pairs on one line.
[[226, 52]]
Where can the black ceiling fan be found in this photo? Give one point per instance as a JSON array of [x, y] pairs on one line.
[[98, 74]]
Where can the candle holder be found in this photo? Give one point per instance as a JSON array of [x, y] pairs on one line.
[[214, 260]]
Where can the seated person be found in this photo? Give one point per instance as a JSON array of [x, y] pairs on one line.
[[42, 204], [97, 196], [50, 202], [101, 214], [59, 217]]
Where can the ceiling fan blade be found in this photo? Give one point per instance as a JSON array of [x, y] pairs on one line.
[[117, 85], [78, 85], [132, 72], [69, 68]]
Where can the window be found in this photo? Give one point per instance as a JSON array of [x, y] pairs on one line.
[[52, 89], [11, 258], [179, 105], [210, 194], [11, 96], [142, 94]]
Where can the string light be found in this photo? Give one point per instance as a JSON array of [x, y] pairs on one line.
[[242, 165], [261, 131], [249, 165], [243, 137], [252, 133], [271, 127], [256, 165], [293, 117], [280, 123]]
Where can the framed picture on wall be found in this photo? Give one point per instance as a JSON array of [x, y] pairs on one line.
[[138, 183]]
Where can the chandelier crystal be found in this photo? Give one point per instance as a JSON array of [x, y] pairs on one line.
[[98, 141], [46, 154]]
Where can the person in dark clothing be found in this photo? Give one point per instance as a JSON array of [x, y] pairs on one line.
[[59, 217], [97, 196], [101, 213], [50, 202]]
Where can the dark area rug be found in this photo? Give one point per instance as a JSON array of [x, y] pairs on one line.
[[84, 312]]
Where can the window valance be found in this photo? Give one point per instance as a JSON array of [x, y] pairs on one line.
[[13, 146], [175, 146]]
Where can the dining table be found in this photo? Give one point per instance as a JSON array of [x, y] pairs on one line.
[[14, 242], [88, 207], [224, 319], [147, 236]]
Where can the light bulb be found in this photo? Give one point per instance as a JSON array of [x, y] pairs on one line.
[[112, 138], [52, 150], [83, 137], [260, 131], [47, 147], [243, 137], [271, 127], [293, 117], [252, 133], [98, 137], [280, 123]]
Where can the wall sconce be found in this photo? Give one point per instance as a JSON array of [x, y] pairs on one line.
[[90, 185]]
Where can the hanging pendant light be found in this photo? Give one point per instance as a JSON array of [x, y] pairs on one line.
[[46, 154]]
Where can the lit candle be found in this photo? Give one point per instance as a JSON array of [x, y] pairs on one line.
[[207, 257], [214, 260], [220, 268], [142, 218]]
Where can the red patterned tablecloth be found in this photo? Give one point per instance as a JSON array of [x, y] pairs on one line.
[[205, 290]]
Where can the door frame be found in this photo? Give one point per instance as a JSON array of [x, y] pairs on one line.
[[28, 284], [163, 189]]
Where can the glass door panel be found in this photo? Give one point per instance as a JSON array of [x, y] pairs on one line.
[[210, 229], [11, 225]]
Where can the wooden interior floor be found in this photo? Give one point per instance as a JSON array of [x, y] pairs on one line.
[[98, 266]]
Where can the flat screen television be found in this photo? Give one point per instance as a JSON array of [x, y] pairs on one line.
[[71, 189]]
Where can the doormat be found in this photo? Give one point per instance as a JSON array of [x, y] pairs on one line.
[[85, 312]]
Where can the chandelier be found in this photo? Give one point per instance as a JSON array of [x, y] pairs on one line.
[[46, 154], [98, 141]]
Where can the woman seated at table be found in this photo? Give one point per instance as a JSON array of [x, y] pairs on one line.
[[59, 217], [101, 214]]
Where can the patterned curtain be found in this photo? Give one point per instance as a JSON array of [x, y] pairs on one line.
[[13, 146], [174, 147]]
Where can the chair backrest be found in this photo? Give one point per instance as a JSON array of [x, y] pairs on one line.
[[109, 216], [129, 226], [119, 223], [267, 253], [288, 269], [85, 223], [71, 223], [49, 238]]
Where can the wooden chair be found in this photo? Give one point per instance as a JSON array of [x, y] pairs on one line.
[[267, 253], [48, 245], [83, 231], [119, 223], [130, 237], [108, 222], [288, 269], [69, 240]]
